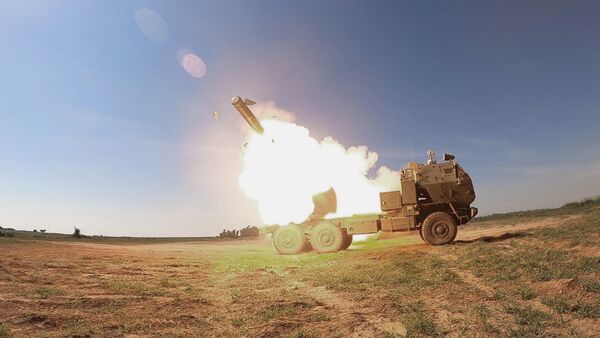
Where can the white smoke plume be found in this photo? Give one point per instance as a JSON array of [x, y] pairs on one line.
[[285, 166]]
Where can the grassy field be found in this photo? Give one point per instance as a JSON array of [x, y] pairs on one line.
[[573, 208], [30, 235], [518, 275]]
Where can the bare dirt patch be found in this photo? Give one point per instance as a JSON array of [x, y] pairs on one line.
[[492, 283]]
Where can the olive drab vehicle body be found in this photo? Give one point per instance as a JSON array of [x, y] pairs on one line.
[[434, 198]]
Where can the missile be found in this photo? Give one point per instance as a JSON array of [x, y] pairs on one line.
[[242, 107]]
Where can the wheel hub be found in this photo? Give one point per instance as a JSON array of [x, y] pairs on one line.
[[441, 229], [288, 240], [326, 238]]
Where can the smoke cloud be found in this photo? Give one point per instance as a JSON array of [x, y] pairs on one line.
[[285, 167]]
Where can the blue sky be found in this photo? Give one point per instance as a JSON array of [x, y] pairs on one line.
[[101, 127]]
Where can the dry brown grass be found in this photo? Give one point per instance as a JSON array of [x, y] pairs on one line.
[[541, 279]]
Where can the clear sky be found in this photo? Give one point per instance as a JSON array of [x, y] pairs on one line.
[[102, 128]]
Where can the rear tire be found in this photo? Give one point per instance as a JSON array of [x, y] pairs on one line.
[[347, 241], [289, 240], [439, 228], [326, 238]]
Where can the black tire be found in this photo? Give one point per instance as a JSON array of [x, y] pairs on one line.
[[347, 241], [439, 228], [289, 240], [326, 238], [421, 233]]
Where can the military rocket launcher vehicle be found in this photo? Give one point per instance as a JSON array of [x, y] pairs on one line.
[[434, 198]]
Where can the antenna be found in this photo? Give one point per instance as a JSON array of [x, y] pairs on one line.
[[412, 157], [431, 154]]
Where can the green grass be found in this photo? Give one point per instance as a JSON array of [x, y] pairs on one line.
[[484, 315], [562, 304], [417, 320], [532, 322], [45, 292], [135, 287], [518, 268], [78, 328], [525, 293], [524, 261], [588, 309], [284, 309], [591, 285], [584, 231], [4, 332], [558, 303], [526, 315], [303, 333], [572, 208]]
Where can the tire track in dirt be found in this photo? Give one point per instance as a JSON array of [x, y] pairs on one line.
[[480, 231], [223, 305], [370, 323], [468, 277]]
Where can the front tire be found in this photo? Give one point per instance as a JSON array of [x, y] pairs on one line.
[[289, 240], [439, 228], [326, 238]]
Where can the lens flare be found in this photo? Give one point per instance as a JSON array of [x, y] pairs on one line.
[[193, 65], [151, 25], [284, 167]]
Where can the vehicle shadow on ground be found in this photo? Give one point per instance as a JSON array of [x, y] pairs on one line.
[[491, 239]]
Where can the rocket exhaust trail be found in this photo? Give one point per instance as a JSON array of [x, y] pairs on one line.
[[242, 107]]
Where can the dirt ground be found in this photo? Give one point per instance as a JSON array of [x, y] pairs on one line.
[[512, 279]]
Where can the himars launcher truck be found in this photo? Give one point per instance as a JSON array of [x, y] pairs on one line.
[[434, 198]]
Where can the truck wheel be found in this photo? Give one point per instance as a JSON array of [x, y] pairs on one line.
[[289, 240], [421, 233], [347, 241], [326, 237], [439, 228]]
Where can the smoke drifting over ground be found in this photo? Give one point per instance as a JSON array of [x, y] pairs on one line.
[[285, 167]]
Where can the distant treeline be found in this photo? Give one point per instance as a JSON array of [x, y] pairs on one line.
[[248, 231]]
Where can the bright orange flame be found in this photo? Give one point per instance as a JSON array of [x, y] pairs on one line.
[[284, 167]]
